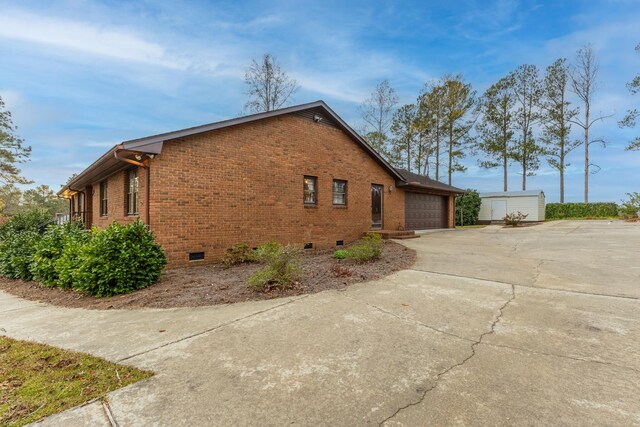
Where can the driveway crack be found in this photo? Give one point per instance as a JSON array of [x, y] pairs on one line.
[[239, 319], [411, 321], [562, 356], [465, 360]]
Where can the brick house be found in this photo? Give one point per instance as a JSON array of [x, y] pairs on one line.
[[296, 175]]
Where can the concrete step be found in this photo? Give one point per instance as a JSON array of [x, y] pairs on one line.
[[410, 236], [395, 234]]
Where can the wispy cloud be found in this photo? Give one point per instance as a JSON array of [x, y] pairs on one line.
[[95, 39]]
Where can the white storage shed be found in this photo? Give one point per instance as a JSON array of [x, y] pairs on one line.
[[496, 205]]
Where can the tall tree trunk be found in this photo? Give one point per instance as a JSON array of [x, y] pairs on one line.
[[586, 153], [450, 152], [524, 161], [561, 186], [505, 155], [504, 169], [437, 150]]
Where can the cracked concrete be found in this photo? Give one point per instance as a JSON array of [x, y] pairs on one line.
[[452, 367], [532, 326]]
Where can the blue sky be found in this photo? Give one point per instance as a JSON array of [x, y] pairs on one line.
[[81, 76]]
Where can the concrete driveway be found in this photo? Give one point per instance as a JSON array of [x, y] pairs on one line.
[[493, 326]]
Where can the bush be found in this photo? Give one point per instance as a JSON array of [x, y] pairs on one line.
[[238, 254], [341, 254], [514, 219], [468, 208], [367, 249], [67, 266], [283, 266], [580, 210], [630, 207], [117, 260], [49, 251], [19, 237], [267, 250]]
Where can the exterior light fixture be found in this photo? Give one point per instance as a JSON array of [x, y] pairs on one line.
[[390, 188], [317, 118]]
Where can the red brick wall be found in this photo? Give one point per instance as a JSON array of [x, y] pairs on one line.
[[245, 184], [117, 199]]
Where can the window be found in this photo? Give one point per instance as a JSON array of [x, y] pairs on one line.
[[339, 192], [132, 193], [103, 198], [310, 190]]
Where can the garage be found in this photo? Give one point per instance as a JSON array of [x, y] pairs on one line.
[[425, 211]]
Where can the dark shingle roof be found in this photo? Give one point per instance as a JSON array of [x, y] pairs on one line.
[[425, 182]]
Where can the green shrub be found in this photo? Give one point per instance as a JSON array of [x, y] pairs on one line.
[[341, 254], [514, 219], [580, 210], [267, 250], [117, 260], [282, 269], [368, 248], [50, 248], [19, 237], [67, 266], [468, 208], [630, 207], [238, 254]]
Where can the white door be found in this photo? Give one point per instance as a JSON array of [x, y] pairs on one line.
[[498, 210]]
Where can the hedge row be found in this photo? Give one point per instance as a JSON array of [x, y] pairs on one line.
[[580, 210], [116, 260]]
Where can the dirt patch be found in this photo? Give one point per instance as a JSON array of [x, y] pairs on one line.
[[212, 284]]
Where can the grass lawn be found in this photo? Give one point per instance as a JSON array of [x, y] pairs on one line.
[[470, 226], [38, 380]]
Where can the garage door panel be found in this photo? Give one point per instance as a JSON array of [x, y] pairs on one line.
[[424, 211]]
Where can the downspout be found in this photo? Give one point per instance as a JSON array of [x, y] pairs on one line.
[[143, 165]]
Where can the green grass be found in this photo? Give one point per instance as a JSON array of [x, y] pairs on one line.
[[38, 380], [470, 226]]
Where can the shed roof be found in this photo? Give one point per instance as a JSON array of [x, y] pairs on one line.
[[527, 193]]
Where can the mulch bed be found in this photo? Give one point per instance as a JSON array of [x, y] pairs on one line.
[[213, 284]]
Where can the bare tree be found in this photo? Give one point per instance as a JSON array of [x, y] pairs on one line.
[[630, 118], [584, 74], [377, 113], [557, 115], [268, 87]]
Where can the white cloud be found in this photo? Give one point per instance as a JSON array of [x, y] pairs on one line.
[[100, 40]]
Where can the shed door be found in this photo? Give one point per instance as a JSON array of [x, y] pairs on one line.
[[424, 211], [498, 210]]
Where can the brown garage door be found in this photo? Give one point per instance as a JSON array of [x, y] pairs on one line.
[[423, 211]]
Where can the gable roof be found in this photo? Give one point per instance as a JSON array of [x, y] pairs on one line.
[[142, 144], [110, 163], [423, 182]]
